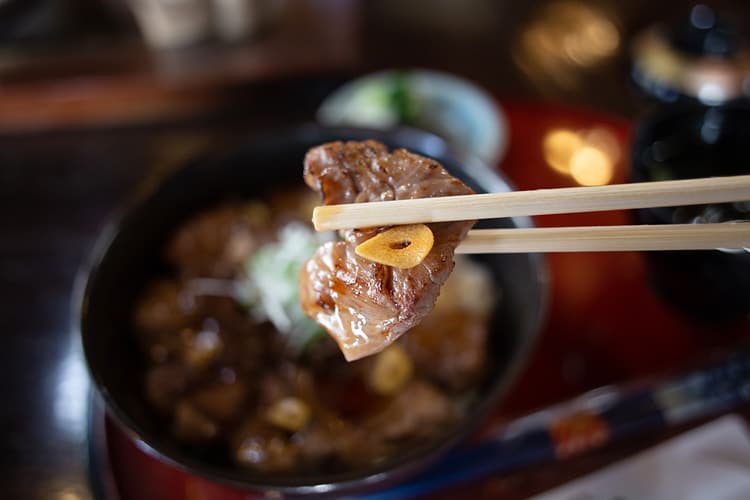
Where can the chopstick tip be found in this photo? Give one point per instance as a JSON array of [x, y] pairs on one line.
[[316, 219]]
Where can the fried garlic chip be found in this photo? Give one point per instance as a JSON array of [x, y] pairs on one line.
[[400, 246]]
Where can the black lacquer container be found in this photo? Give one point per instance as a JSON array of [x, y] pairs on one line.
[[688, 142]]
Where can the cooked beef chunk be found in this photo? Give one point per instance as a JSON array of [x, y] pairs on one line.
[[365, 306]]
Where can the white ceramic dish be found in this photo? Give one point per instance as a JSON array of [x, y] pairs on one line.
[[450, 106]]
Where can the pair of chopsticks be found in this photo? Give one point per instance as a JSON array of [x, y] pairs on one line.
[[560, 201]]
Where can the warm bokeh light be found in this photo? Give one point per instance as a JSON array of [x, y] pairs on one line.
[[70, 493], [588, 156], [605, 141], [559, 147], [566, 37], [596, 39], [590, 166]]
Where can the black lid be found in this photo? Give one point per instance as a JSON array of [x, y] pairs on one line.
[[704, 32]]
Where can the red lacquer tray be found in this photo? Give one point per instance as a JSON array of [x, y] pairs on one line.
[[605, 324]]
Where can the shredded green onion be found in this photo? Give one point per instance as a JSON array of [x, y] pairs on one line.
[[271, 289]]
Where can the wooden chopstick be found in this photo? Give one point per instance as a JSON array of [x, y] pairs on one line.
[[607, 238], [533, 202]]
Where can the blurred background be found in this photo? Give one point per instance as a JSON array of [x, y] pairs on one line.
[[99, 97], [90, 62]]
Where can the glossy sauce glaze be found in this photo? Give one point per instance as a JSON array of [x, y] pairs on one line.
[[364, 305], [228, 383]]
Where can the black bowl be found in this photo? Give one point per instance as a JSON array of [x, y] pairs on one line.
[[128, 254]]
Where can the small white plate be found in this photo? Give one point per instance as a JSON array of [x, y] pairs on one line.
[[447, 105]]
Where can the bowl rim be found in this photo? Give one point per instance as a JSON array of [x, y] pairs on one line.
[[414, 459]]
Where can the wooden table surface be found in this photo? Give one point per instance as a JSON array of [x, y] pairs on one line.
[[76, 138]]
